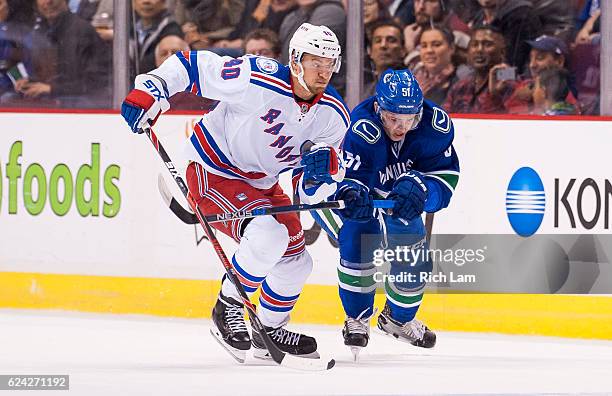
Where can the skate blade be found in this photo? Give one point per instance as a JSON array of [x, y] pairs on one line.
[[263, 354], [237, 354], [355, 351]]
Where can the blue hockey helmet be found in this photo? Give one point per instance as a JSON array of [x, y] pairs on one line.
[[397, 91]]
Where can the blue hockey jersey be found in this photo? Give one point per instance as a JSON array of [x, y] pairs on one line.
[[372, 159]]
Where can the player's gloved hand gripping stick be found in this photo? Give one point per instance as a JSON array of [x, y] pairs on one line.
[[309, 157], [188, 217], [280, 357]]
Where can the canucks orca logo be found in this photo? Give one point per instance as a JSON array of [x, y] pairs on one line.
[[525, 201]]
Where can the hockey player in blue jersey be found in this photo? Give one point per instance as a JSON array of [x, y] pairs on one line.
[[398, 147]]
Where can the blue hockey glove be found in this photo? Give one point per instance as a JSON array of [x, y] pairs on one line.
[[321, 164], [409, 194], [359, 205]]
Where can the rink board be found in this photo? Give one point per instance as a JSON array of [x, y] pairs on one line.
[[107, 243]]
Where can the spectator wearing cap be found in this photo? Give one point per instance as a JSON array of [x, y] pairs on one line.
[[262, 42], [482, 91], [546, 52], [551, 91]]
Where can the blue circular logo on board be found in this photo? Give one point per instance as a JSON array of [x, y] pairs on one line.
[[525, 201]]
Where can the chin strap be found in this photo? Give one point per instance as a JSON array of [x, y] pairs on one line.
[[299, 75]]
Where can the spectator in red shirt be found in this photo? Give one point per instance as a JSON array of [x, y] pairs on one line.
[[482, 91]]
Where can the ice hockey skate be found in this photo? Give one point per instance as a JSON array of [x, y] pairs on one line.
[[230, 329], [287, 341], [414, 332], [356, 333]]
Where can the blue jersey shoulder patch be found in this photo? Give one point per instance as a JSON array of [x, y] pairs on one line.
[[369, 131], [440, 121]]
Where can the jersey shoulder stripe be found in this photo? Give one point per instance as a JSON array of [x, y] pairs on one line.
[[338, 106], [189, 60], [333, 96], [271, 83]]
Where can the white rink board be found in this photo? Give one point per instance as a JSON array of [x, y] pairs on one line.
[[146, 240], [490, 151]]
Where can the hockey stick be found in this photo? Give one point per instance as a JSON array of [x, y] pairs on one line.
[[280, 357], [188, 217], [429, 219]]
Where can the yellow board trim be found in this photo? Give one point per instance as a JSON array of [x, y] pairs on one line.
[[579, 316]]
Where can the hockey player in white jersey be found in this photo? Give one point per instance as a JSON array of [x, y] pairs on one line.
[[266, 113]]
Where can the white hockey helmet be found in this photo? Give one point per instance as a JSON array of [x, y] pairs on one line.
[[314, 40]]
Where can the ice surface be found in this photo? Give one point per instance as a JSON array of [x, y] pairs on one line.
[[134, 355]]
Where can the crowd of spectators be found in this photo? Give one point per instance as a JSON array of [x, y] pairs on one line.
[[469, 56]]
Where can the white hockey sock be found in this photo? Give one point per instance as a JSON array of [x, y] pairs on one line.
[[261, 247], [282, 287]]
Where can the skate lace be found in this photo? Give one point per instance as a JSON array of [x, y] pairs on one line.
[[361, 324], [414, 329], [285, 336], [235, 319]]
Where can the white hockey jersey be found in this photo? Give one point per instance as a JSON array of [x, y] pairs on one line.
[[258, 128]]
